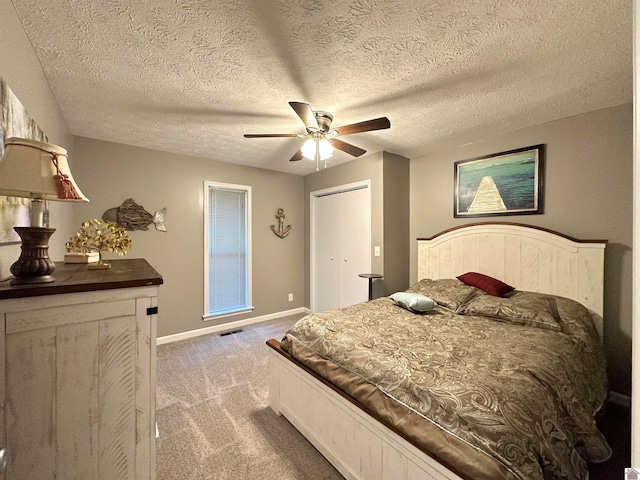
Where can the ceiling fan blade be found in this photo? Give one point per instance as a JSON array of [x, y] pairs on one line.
[[305, 113], [296, 157], [268, 135], [347, 147], [366, 126]]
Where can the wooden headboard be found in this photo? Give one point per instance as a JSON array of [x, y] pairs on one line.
[[528, 258]]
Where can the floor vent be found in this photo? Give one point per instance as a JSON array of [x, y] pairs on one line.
[[231, 332]]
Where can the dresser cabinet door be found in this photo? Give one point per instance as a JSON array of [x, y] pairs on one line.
[[80, 391]]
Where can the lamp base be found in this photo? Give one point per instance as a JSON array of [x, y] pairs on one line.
[[34, 265]]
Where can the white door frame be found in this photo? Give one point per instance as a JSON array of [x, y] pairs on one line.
[[313, 196]]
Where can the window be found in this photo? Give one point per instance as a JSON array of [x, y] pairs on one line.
[[227, 259]]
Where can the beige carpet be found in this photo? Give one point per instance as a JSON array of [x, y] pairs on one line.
[[213, 414]]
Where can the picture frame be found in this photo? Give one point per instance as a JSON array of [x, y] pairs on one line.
[[504, 183]]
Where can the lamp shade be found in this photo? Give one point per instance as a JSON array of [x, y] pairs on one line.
[[34, 169]]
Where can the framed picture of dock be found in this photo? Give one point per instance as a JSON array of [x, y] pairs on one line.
[[505, 183]]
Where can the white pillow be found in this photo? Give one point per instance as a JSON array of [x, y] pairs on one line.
[[414, 302]]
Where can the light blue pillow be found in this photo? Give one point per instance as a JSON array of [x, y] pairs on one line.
[[414, 302]]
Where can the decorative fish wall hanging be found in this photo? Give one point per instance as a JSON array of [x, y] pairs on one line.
[[132, 216]]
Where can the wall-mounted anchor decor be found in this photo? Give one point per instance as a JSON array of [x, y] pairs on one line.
[[281, 231], [132, 216]]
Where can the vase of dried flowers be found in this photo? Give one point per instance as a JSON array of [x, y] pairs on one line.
[[99, 236]]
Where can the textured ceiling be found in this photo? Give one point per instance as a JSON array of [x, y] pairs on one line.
[[192, 76]]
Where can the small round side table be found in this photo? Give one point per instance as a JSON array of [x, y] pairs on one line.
[[370, 276]]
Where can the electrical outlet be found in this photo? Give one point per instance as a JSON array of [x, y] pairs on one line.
[[291, 297]]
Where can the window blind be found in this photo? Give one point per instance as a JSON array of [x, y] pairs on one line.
[[227, 250]]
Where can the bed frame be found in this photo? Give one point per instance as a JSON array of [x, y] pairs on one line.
[[348, 435]]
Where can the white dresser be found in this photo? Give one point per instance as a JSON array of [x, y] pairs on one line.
[[77, 380]]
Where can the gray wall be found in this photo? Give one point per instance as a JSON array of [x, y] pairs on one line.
[[389, 176], [396, 174], [588, 195], [154, 179], [368, 167], [22, 72]]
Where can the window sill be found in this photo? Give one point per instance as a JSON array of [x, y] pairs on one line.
[[229, 313]]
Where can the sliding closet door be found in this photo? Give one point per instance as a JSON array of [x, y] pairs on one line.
[[341, 248], [355, 246], [327, 253]]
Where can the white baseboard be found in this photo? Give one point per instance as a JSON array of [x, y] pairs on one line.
[[620, 399], [229, 326]]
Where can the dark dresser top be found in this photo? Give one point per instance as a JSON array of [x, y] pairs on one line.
[[75, 277]]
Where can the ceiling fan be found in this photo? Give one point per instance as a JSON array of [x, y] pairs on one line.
[[321, 138]]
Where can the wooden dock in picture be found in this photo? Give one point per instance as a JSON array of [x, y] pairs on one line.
[[487, 198]]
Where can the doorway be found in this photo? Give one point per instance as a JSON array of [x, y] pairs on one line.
[[340, 233]]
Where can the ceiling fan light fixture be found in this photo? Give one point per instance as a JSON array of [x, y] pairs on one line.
[[317, 149], [326, 149], [309, 149]]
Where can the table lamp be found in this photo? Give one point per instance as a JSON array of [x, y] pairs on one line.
[[38, 171]]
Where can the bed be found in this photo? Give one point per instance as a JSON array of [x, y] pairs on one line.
[[479, 387]]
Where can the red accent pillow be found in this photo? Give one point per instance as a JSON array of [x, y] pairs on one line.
[[489, 284]]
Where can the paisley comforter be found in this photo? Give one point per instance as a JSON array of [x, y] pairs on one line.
[[493, 388]]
